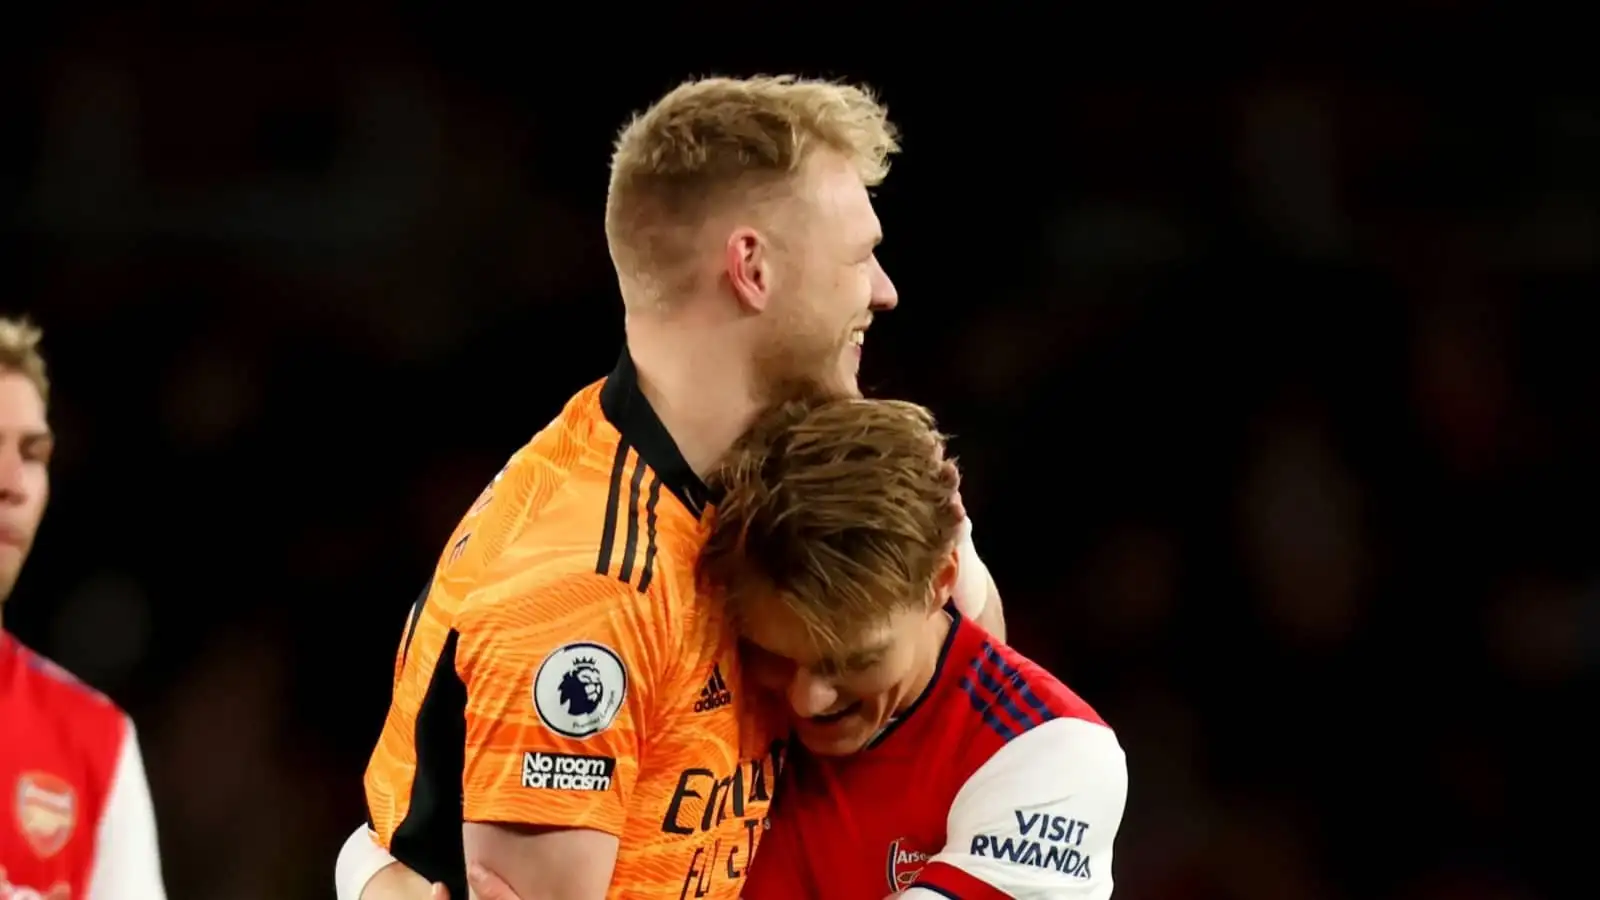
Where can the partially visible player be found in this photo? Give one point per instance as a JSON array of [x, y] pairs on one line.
[[78, 822], [567, 708], [933, 761]]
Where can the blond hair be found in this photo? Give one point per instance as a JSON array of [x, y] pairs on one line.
[[712, 140], [19, 352], [841, 509]]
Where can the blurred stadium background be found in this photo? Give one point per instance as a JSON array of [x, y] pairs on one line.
[[1262, 343]]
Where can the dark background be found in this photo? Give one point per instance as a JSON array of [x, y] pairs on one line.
[[1262, 340]]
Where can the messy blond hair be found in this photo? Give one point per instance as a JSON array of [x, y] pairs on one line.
[[19, 352], [842, 509], [717, 139]]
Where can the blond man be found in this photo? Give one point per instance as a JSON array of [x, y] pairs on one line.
[[82, 825], [569, 711]]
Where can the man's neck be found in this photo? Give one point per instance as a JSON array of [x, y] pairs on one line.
[[699, 387]]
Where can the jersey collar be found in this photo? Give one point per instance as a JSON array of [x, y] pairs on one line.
[[626, 408]]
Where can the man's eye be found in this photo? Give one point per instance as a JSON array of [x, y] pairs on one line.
[[828, 669], [758, 656]]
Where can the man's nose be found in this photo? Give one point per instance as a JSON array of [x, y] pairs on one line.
[[13, 488], [810, 696], [884, 295]]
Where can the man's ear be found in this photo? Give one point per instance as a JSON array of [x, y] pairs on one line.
[[747, 259]]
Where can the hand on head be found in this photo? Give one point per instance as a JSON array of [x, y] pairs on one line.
[[961, 508]]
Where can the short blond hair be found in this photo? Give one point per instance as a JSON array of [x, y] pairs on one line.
[[19, 352], [841, 509], [708, 140]]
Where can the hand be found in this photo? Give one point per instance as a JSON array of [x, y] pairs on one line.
[[396, 882], [961, 508], [485, 885]]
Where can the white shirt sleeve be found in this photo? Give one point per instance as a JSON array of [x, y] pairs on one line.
[[127, 860], [359, 859], [1037, 820]]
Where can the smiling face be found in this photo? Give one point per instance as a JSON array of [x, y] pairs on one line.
[[831, 282], [755, 191]]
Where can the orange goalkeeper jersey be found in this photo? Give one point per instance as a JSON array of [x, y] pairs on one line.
[[561, 671]]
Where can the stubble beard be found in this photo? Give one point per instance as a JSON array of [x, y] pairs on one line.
[[801, 359]]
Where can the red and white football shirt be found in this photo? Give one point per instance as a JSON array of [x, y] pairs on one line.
[[76, 821], [999, 782]]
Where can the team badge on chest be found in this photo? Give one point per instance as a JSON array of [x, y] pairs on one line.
[[906, 860], [47, 811]]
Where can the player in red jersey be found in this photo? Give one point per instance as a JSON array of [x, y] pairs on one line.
[[80, 824], [933, 760]]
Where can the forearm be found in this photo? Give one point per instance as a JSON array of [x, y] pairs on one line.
[[976, 594], [993, 617], [543, 863], [366, 871], [397, 882]]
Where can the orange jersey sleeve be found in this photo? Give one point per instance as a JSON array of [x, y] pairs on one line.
[[561, 682]]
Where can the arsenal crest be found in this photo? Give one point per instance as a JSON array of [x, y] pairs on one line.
[[905, 864], [47, 810]]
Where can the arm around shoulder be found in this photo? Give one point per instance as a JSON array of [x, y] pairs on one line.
[[993, 617], [976, 594]]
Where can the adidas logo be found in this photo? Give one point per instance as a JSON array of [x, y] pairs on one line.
[[715, 693]]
